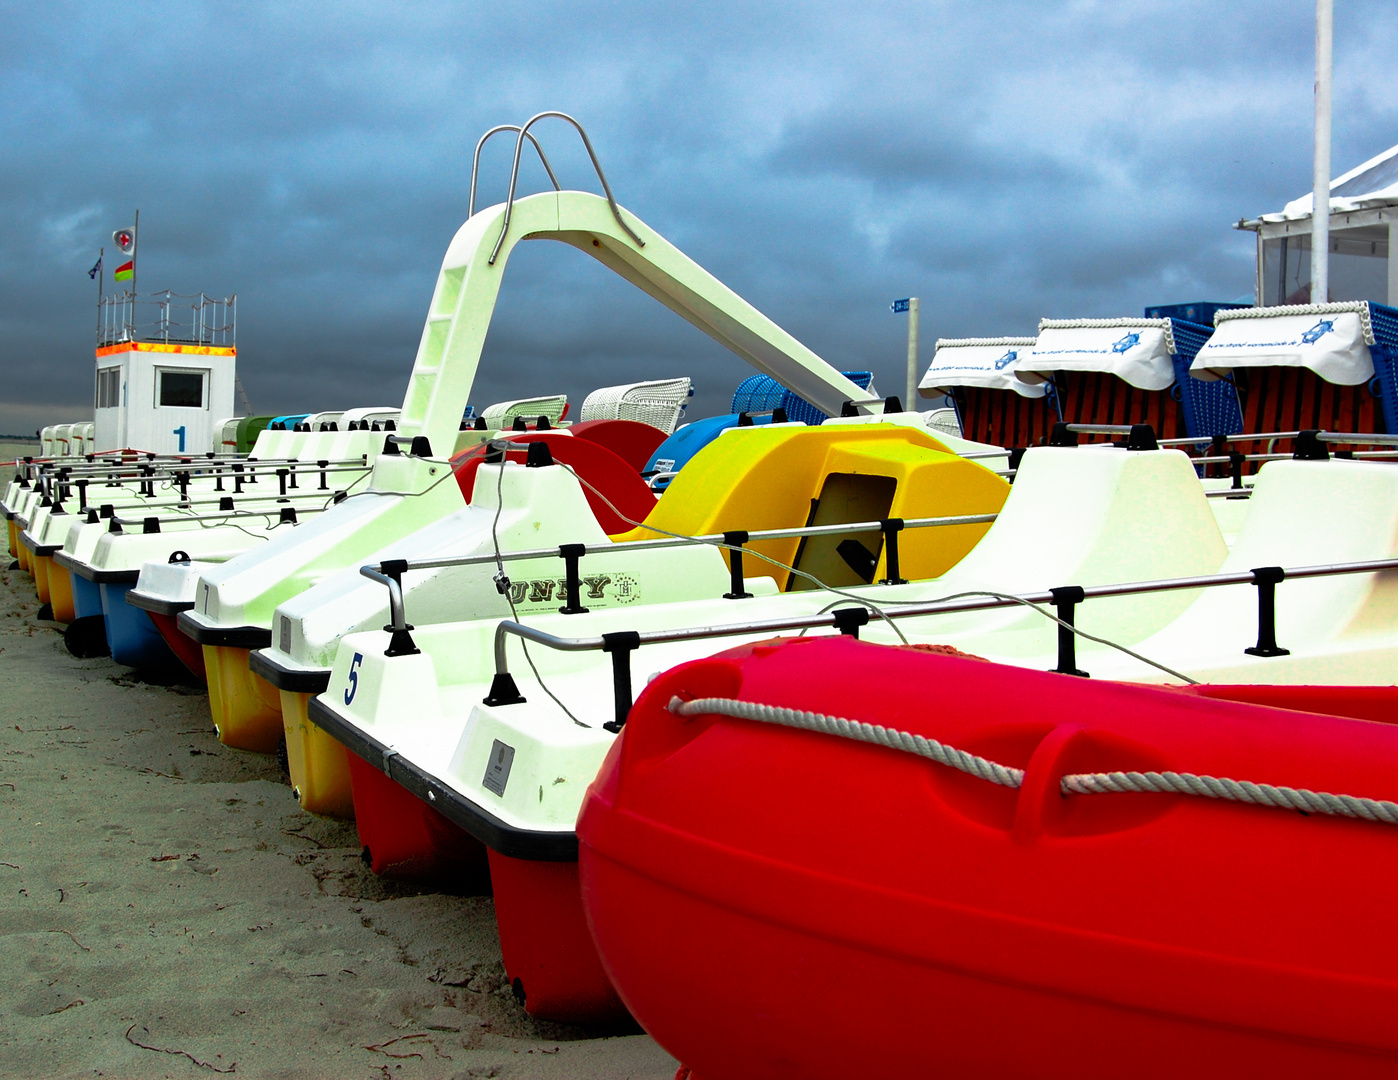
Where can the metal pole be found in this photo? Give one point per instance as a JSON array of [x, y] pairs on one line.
[[908, 402], [1259, 297], [135, 243], [1320, 211]]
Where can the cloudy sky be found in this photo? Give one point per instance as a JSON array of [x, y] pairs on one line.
[[1001, 160]]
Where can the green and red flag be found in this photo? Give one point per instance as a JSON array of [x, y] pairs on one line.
[[124, 271]]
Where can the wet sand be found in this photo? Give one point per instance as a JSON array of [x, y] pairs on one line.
[[167, 910]]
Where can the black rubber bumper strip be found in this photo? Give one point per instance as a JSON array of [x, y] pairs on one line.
[[296, 680], [495, 834], [157, 605], [234, 637], [92, 574]]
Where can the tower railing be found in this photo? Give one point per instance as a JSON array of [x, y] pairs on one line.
[[167, 317]]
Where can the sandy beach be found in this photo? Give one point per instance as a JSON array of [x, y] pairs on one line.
[[10, 450], [167, 910]]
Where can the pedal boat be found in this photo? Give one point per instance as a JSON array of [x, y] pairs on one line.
[[772, 901], [435, 722], [410, 488]]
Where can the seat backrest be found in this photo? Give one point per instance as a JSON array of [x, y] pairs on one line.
[[660, 402], [1086, 515], [502, 414], [761, 393], [1004, 418], [1296, 398]]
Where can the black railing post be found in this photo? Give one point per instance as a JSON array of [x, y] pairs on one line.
[[1309, 448], [621, 645], [281, 481], [570, 554], [322, 465], [848, 620], [736, 539], [1218, 447], [503, 691], [1267, 578], [1066, 599], [1235, 468], [401, 644], [891, 528]]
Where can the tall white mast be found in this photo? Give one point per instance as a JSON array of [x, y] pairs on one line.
[[1320, 207]]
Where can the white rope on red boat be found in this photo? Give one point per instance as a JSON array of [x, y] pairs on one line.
[[1244, 791], [1277, 797], [859, 731]]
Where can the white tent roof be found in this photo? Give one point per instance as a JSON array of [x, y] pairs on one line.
[[1375, 183]]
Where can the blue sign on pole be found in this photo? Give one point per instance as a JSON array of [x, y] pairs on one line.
[[899, 306]]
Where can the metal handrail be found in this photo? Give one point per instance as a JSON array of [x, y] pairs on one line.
[[1357, 437], [514, 181], [397, 615], [1230, 493], [1100, 429], [476, 163], [1219, 459], [253, 498], [503, 690], [240, 512], [715, 539], [197, 467]]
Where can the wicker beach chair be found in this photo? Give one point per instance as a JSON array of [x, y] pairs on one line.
[[763, 394], [659, 403], [501, 415]]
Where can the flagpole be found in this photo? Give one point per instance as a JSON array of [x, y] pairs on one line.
[[135, 243], [101, 280]]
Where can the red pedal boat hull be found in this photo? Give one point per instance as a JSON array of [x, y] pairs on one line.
[[775, 903]]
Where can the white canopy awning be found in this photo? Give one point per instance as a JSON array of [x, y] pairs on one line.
[[1135, 350], [987, 362], [1372, 184], [1331, 339]]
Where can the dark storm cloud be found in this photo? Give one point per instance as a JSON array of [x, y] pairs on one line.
[[1003, 161]]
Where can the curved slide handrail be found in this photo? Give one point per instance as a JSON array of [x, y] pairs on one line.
[[476, 162], [514, 178]]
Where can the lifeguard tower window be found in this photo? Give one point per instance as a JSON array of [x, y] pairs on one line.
[[180, 389], [109, 388]]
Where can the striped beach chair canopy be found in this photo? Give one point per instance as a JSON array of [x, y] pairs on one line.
[[992, 404], [1298, 366], [1131, 371]]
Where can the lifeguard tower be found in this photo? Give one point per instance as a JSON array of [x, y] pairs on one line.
[[166, 372]]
